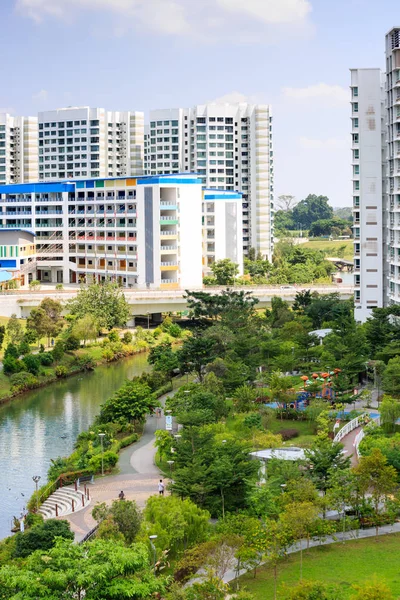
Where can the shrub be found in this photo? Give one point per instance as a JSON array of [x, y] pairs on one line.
[[253, 421], [41, 537], [23, 381], [32, 363], [58, 350], [12, 365], [24, 348], [61, 371], [157, 332], [288, 434], [85, 362], [127, 441], [34, 285], [59, 286], [127, 339], [46, 358], [110, 459], [71, 343], [11, 351], [113, 336], [175, 330]]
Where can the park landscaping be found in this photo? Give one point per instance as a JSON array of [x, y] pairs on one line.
[[241, 395], [340, 566]]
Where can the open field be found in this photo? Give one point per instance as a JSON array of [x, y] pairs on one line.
[[331, 247], [354, 562]]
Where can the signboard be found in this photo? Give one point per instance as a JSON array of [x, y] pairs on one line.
[[168, 422]]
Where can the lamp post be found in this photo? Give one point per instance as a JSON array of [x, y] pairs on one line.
[[151, 538], [36, 479], [101, 436], [148, 320], [170, 462]]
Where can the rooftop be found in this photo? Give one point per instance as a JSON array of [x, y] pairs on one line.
[[290, 453]]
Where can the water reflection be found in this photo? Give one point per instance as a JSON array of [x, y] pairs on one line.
[[44, 424]]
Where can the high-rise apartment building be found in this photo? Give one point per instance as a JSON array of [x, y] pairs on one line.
[[368, 157], [18, 149], [393, 163], [90, 142], [230, 147]]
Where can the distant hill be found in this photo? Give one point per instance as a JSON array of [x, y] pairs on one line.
[[343, 212]]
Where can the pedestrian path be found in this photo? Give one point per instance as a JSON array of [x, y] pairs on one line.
[[138, 477]]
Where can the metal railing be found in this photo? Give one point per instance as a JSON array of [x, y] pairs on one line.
[[361, 435], [346, 429]]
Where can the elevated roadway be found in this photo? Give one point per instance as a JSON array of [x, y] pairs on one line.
[[154, 302]]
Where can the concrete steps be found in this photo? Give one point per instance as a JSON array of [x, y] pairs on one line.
[[67, 500]]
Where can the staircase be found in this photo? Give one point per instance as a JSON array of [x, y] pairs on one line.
[[64, 501]]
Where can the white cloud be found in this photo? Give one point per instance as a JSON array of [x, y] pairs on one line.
[[327, 144], [40, 96], [270, 11], [321, 92], [205, 20]]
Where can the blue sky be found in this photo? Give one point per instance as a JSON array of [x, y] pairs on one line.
[[143, 54]]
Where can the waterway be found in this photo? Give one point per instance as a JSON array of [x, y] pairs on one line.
[[43, 424]]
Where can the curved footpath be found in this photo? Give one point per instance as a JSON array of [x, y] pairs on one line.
[[138, 477]]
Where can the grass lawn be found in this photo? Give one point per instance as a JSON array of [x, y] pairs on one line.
[[354, 562], [305, 429], [331, 247]]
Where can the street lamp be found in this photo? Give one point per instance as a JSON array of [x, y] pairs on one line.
[[170, 462], [36, 479], [151, 538], [148, 320], [101, 436]]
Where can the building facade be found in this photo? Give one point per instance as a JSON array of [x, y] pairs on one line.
[[18, 149], [222, 228], [230, 147], [143, 232], [368, 165], [393, 164], [88, 142]]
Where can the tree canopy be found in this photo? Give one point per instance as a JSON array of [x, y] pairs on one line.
[[104, 301]]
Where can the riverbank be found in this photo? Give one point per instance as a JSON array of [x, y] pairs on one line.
[[80, 360]]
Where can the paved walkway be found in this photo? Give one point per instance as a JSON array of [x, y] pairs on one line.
[[348, 443], [138, 478]]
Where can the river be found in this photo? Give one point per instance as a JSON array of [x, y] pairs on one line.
[[43, 424]]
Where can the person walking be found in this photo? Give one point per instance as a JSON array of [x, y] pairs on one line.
[[161, 488], [121, 495]]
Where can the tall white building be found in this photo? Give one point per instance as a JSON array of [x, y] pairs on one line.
[[368, 165], [222, 228], [18, 149], [90, 142], [230, 147], [393, 163]]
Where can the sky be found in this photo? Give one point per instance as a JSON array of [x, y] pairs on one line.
[[147, 54]]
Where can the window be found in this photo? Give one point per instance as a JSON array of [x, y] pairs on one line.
[[355, 92], [356, 169], [355, 106], [355, 123], [356, 154]]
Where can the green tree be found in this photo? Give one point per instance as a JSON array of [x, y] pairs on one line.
[[95, 571], [324, 456], [132, 402], [390, 412], [391, 377], [311, 209], [378, 478], [313, 590], [225, 271], [163, 358], [105, 302], [41, 537], [232, 308], [179, 524], [14, 332], [2, 334], [372, 590], [46, 320], [125, 514], [299, 518], [86, 328], [195, 353]]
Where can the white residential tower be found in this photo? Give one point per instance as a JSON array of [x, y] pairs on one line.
[[18, 149]]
